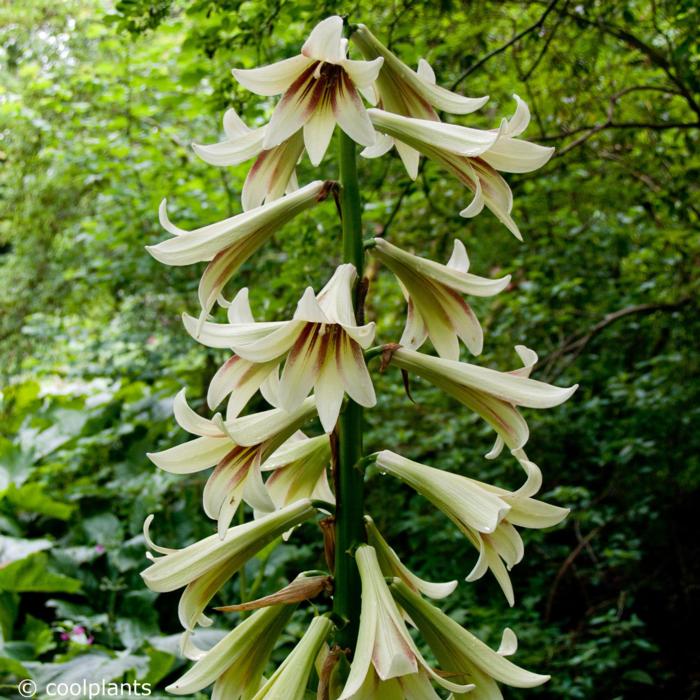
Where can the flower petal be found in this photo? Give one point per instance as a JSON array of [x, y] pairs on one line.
[[351, 366], [318, 131], [325, 41], [240, 378], [461, 140], [192, 422], [192, 456], [301, 368], [351, 114], [273, 79], [516, 156], [259, 427], [232, 151]]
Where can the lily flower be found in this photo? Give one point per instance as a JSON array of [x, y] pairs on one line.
[[435, 307], [391, 566], [461, 654], [410, 93], [272, 173], [299, 470], [202, 568], [384, 647], [493, 395], [227, 244], [474, 156], [319, 88], [236, 663], [322, 344], [289, 681], [486, 514], [236, 449]]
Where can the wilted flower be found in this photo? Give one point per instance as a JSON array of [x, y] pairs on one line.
[[474, 156], [236, 663], [323, 345], [385, 649], [435, 307], [237, 449], [203, 567], [319, 88], [227, 244], [493, 395], [484, 513], [462, 655], [289, 681], [273, 172], [411, 93], [391, 565]]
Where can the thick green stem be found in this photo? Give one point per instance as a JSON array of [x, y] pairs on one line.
[[349, 523]]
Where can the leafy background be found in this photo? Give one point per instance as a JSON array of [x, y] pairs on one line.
[[98, 104]]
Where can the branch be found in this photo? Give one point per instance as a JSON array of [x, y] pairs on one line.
[[506, 46], [575, 344], [547, 44], [582, 544], [653, 54], [610, 123]]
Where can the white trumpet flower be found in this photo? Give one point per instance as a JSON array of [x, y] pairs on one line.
[[289, 681], [236, 663], [202, 568], [391, 565], [227, 244], [401, 90], [236, 449], [384, 647], [433, 292], [493, 395], [322, 344], [273, 172], [465, 657], [486, 514], [319, 88], [474, 156]]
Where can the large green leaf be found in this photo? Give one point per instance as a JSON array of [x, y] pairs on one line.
[[32, 574]]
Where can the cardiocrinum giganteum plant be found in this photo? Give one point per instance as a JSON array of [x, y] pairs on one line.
[[315, 365]]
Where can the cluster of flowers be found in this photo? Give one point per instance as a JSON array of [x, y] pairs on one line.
[[305, 366]]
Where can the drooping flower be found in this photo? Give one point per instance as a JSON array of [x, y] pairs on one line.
[[462, 655], [384, 649], [493, 395], [289, 681], [203, 567], [236, 449], [474, 156], [273, 172], [319, 88], [433, 292], [227, 244], [486, 514], [322, 344], [410, 93], [391, 565], [236, 663]]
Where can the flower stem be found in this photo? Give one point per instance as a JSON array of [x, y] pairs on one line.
[[349, 522]]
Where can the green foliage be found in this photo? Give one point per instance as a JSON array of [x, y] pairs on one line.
[[96, 114]]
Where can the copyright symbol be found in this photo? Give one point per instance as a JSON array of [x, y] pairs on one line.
[[27, 688]]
